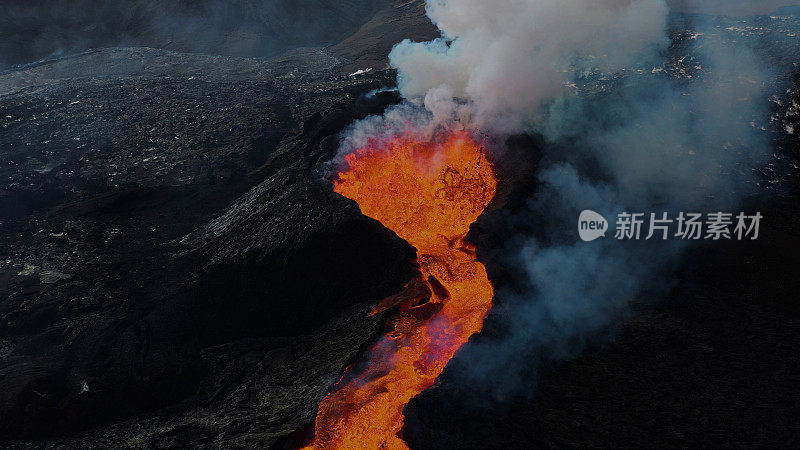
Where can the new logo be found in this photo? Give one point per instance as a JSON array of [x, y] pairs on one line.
[[591, 226]]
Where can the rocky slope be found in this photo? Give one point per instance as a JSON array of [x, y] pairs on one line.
[[166, 240], [35, 30]]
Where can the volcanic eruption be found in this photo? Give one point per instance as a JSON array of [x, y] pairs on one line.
[[429, 193], [429, 190], [544, 67]]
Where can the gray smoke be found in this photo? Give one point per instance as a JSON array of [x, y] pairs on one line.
[[506, 59], [665, 147], [632, 124]]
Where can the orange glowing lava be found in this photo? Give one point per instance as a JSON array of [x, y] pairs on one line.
[[429, 194]]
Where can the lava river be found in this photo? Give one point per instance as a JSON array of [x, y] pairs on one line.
[[429, 194]]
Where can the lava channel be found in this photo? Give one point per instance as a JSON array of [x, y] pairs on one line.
[[428, 194]]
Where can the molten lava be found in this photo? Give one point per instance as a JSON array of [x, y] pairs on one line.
[[429, 194]]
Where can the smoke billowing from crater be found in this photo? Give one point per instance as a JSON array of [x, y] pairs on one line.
[[633, 121], [507, 59]]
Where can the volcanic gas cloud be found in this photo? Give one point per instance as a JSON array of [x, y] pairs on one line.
[[519, 67], [429, 193]]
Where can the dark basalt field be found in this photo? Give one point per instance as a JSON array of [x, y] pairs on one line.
[[174, 271]]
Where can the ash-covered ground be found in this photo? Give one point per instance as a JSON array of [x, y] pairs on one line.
[[175, 273]]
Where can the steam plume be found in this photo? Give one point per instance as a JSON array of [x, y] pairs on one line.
[[506, 59], [621, 134]]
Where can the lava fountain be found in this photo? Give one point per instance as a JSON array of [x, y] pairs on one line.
[[429, 194]]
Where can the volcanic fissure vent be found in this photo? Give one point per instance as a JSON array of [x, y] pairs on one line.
[[429, 193]]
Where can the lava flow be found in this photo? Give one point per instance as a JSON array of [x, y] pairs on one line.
[[429, 194]]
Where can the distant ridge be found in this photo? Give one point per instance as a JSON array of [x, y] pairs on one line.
[[787, 11]]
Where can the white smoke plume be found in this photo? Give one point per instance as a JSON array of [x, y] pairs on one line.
[[505, 59], [621, 135]]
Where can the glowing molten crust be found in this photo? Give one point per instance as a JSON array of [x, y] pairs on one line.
[[429, 194]]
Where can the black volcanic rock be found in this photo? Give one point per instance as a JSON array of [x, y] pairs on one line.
[[193, 219], [174, 271]]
